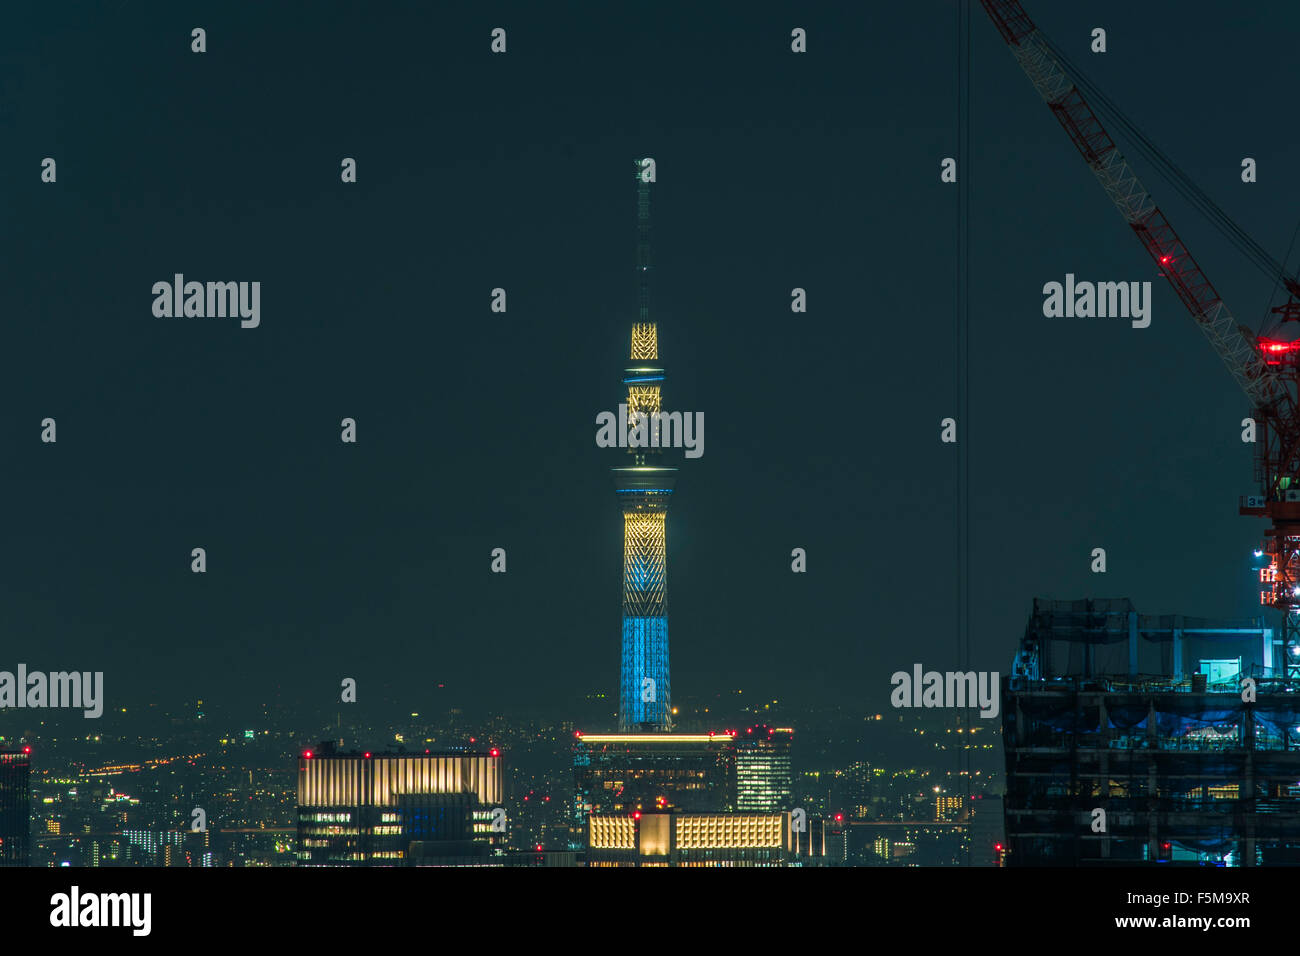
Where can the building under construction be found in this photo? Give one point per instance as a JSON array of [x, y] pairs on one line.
[[1137, 739]]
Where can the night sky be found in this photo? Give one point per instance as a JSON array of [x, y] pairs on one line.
[[476, 429]]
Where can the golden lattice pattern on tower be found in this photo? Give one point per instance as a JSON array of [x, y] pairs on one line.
[[642, 400], [645, 341], [645, 564]]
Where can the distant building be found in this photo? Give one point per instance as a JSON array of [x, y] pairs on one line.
[[907, 843], [948, 808], [398, 809], [689, 839], [854, 789], [15, 807], [155, 848], [988, 835], [821, 841], [763, 782], [625, 773]]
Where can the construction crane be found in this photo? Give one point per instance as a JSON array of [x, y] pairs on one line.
[[1266, 367]]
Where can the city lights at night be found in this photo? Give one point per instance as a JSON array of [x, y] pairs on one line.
[[359, 363]]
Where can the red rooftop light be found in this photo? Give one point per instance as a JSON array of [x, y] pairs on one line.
[[367, 754], [495, 753], [307, 754], [27, 750]]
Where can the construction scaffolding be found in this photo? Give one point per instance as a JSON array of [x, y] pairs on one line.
[[1136, 739]]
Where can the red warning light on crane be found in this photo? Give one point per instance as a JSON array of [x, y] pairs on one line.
[[1275, 352]]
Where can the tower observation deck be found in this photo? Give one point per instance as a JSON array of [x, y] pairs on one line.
[[644, 486]]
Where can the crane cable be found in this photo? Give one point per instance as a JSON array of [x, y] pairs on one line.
[[963, 387], [1180, 181], [1178, 178], [1277, 279]]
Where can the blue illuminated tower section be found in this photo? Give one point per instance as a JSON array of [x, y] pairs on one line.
[[644, 487]]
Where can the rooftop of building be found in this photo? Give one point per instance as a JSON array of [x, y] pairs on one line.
[[1105, 644], [326, 749]]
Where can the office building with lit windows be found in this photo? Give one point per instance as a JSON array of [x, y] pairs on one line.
[[15, 806], [763, 781], [400, 809]]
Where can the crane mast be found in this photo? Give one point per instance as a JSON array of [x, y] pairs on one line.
[[1267, 369]]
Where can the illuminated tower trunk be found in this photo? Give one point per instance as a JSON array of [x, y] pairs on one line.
[[644, 488]]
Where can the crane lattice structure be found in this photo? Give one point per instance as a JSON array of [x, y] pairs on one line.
[[1266, 367]]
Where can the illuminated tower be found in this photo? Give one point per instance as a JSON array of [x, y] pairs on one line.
[[644, 488]]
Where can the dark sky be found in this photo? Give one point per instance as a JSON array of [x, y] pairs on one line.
[[476, 430]]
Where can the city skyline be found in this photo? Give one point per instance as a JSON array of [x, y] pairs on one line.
[[315, 317]]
